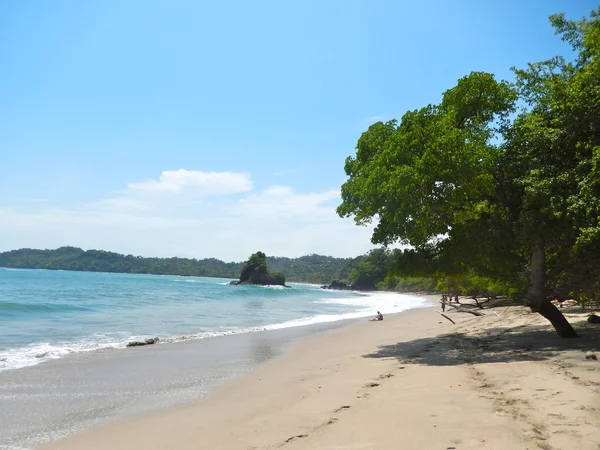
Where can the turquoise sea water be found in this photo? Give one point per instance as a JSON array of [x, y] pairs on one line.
[[48, 315]]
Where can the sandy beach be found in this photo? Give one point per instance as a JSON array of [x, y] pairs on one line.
[[413, 381]]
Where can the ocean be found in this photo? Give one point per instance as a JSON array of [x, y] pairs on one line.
[[64, 365]]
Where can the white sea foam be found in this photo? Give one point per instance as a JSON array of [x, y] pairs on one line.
[[369, 304], [16, 358], [386, 302]]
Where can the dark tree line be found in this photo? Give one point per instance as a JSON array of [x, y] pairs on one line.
[[310, 268]]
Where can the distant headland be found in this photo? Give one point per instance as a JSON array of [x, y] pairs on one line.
[[316, 269]]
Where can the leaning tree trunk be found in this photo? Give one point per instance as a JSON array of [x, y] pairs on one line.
[[536, 297]]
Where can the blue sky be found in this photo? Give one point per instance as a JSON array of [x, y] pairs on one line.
[[214, 129]]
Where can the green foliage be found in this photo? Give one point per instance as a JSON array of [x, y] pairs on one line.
[[316, 269], [473, 285], [477, 187], [408, 284], [278, 278], [552, 155], [431, 172], [369, 271]]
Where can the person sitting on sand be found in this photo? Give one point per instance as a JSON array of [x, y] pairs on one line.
[[378, 317]]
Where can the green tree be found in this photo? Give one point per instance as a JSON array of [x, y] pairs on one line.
[[550, 164], [431, 181]]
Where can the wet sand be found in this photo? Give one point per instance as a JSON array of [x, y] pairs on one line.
[[58, 398]]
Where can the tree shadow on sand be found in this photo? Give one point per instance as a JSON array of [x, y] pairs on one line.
[[497, 345]]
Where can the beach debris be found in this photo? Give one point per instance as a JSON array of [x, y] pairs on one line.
[[148, 341], [591, 355], [445, 317], [461, 308]]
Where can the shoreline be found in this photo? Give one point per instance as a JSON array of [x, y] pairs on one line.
[[87, 390], [90, 389], [412, 381], [38, 352]]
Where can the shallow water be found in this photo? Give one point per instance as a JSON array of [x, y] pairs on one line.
[[48, 315]]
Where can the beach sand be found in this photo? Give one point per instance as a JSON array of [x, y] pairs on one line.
[[412, 381]]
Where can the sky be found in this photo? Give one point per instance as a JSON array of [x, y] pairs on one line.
[[216, 129]]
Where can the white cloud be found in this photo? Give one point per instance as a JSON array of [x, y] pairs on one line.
[[197, 182], [282, 201], [194, 214]]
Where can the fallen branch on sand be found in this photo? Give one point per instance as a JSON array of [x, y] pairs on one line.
[[445, 316], [460, 308], [480, 304]]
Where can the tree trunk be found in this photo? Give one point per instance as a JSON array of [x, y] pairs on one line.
[[536, 296]]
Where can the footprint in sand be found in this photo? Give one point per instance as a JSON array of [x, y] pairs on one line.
[[341, 407], [299, 436]]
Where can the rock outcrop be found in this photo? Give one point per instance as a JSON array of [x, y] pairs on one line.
[[337, 285], [255, 272]]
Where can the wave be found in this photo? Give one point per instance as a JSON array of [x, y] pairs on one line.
[[16, 358], [368, 304], [9, 307]]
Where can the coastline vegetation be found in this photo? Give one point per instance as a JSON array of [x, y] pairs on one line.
[[307, 269]]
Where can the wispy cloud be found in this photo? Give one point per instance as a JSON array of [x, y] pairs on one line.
[[194, 214], [32, 200]]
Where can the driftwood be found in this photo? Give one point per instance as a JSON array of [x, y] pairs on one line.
[[445, 317], [480, 304], [460, 308]]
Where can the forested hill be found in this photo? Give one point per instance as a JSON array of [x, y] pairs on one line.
[[310, 268]]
